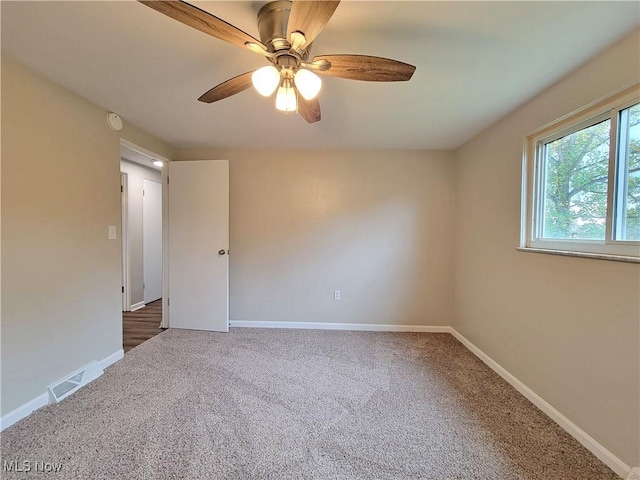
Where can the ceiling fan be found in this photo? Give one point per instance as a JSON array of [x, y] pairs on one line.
[[287, 30]]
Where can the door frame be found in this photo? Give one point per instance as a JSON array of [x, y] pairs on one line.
[[165, 225], [124, 236]]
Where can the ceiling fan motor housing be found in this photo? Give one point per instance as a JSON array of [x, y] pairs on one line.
[[272, 21]]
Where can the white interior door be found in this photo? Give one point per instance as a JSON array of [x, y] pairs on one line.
[[198, 245], [152, 240]]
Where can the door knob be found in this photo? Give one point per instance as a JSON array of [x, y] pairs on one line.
[[222, 252]]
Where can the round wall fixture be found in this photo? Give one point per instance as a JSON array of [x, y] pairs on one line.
[[114, 121]]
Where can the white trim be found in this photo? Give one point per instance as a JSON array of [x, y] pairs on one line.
[[124, 237], [111, 359], [31, 406], [24, 410], [567, 253], [342, 326], [142, 150], [613, 462], [619, 96], [165, 246], [137, 306]]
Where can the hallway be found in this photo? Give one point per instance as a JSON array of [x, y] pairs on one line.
[[141, 325]]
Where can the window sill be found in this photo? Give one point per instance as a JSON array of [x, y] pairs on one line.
[[595, 256]]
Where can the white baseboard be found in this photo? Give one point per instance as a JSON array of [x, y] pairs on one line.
[[634, 474], [111, 359], [22, 411], [341, 326], [613, 462], [137, 306], [41, 400]]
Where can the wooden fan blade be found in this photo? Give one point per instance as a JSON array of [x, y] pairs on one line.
[[309, 109], [203, 21], [309, 17], [226, 89], [364, 67]]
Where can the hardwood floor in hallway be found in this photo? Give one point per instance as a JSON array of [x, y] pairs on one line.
[[141, 325]]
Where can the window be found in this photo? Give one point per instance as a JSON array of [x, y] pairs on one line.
[[627, 201], [581, 190]]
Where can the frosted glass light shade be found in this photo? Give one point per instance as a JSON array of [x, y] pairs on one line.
[[286, 98], [265, 80], [308, 83]]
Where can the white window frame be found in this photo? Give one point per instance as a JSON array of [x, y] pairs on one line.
[[533, 190]]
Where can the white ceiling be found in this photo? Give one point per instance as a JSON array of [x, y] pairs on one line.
[[476, 61]]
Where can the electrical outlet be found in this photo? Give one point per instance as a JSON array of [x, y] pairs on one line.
[[337, 295], [112, 232]]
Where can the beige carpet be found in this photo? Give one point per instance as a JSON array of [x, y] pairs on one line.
[[298, 404]]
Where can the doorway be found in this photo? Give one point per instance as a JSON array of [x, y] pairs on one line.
[[142, 243]]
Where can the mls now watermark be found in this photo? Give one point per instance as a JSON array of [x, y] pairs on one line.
[[27, 466]]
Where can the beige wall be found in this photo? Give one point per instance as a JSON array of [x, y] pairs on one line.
[[136, 174], [376, 225], [61, 300], [566, 327]]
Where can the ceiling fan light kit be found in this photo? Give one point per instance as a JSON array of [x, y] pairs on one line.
[[286, 100], [308, 83], [287, 29], [265, 80]]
